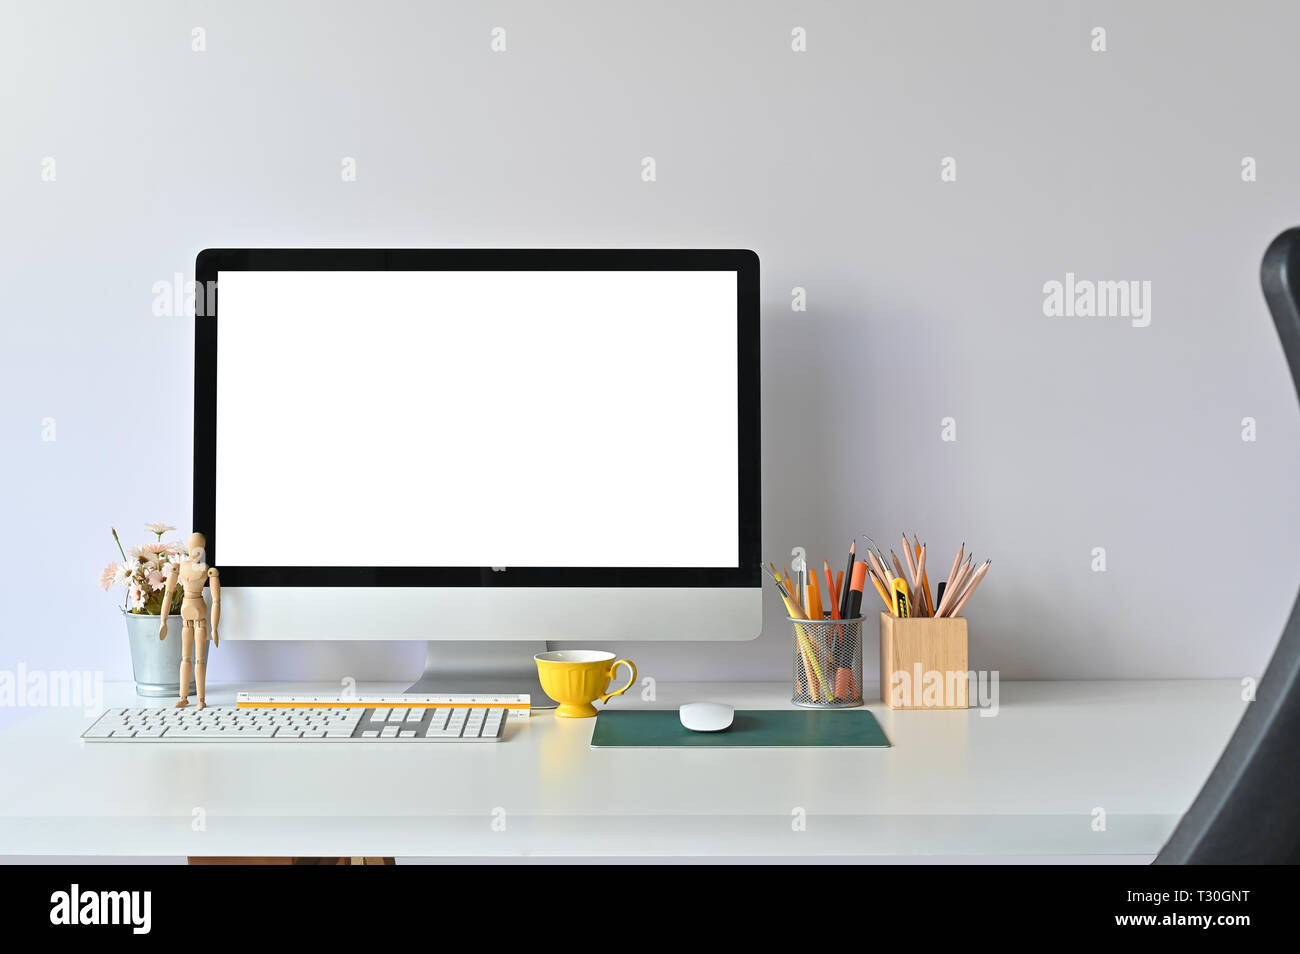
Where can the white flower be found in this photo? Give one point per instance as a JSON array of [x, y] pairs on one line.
[[158, 528], [122, 575], [137, 596]]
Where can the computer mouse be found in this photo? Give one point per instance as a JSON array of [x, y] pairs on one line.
[[706, 716]]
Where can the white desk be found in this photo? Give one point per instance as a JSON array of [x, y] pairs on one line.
[[1025, 782]]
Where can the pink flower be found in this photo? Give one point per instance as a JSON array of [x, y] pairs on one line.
[[156, 579], [108, 576], [137, 596]]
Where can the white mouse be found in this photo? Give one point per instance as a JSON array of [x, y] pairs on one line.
[[706, 716]]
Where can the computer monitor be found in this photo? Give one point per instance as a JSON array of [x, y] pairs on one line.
[[499, 448]]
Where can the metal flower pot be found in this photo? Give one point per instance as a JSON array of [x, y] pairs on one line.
[[155, 662]]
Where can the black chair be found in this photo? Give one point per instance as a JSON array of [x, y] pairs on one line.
[[1248, 811]]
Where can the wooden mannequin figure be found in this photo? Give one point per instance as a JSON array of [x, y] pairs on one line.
[[193, 572]]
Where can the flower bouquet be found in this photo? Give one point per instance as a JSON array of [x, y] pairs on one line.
[[142, 572]]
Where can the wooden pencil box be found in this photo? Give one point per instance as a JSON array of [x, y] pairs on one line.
[[923, 663]]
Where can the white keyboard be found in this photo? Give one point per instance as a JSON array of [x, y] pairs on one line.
[[298, 722]]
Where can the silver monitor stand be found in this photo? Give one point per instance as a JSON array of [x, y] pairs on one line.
[[484, 667]]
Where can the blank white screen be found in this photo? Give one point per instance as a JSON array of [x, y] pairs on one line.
[[374, 418]]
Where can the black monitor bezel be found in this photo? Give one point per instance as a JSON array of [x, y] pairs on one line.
[[210, 262]]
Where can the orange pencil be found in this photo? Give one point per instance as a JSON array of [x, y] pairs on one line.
[[832, 591], [875, 581], [813, 598]]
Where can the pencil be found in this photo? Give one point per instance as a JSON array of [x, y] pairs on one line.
[[832, 592], [813, 597], [957, 587], [816, 684], [880, 556], [805, 647], [952, 578], [879, 567], [910, 558], [965, 574], [925, 579], [901, 575], [880, 588], [970, 590], [924, 599]]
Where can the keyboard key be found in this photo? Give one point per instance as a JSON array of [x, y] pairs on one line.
[[397, 715]]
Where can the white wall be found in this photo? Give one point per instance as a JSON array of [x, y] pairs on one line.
[[925, 298]]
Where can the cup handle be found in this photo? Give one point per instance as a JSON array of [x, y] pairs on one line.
[[627, 685]]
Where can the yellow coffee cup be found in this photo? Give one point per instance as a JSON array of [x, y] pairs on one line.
[[575, 678]]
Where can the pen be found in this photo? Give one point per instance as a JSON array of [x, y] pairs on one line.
[[858, 582], [848, 575]]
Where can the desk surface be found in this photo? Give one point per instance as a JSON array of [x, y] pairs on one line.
[[1027, 781]]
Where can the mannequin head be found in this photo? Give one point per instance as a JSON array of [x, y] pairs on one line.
[[197, 548]]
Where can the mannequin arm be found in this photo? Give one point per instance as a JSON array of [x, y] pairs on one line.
[[165, 610], [214, 580]]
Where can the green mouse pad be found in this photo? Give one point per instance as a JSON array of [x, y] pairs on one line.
[[751, 728]]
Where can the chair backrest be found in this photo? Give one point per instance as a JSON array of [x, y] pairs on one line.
[[1248, 811]]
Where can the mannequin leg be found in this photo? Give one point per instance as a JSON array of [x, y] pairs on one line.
[[187, 662], [201, 661]]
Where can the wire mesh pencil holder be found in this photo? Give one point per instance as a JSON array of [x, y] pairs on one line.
[[827, 663]]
